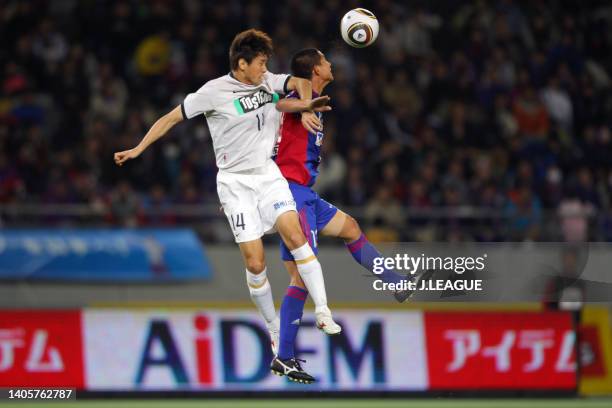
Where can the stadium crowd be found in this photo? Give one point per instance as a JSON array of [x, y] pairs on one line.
[[501, 107]]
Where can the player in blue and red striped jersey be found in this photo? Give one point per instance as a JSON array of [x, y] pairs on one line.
[[297, 155]]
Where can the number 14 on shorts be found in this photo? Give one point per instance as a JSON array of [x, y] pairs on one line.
[[237, 221]]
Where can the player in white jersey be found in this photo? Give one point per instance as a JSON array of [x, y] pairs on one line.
[[240, 111]]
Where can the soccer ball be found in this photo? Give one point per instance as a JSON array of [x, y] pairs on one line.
[[359, 28]]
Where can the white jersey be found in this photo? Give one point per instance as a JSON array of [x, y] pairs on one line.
[[242, 118]]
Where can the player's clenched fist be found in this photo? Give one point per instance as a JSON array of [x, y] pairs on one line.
[[122, 157]]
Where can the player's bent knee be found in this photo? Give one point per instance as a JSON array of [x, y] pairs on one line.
[[255, 266], [294, 240], [351, 229], [292, 236]]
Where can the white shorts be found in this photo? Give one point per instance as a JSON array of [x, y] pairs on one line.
[[253, 199]]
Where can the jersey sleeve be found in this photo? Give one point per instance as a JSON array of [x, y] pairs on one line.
[[197, 103], [278, 82]]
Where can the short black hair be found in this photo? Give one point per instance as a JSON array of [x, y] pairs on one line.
[[304, 61], [248, 45]]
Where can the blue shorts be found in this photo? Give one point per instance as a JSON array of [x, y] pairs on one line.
[[314, 213]]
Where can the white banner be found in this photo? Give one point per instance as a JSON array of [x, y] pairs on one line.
[[230, 350]]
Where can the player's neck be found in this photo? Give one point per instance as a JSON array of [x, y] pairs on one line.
[[318, 85]]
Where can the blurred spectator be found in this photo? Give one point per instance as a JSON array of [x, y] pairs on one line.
[[49, 45], [525, 213], [124, 205], [355, 190], [558, 104], [586, 189], [506, 122], [454, 180], [384, 212], [418, 196], [379, 232], [574, 216], [10, 183], [391, 180], [109, 96], [385, 207], [552, 190], [531, 114], [156, 206], [416, 36]]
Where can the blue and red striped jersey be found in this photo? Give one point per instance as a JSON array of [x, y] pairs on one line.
[[297, 153]]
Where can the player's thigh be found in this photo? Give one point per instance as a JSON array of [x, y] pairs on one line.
[[274, 198], [342, 226], [253, 255], [239, 202], [335, 225], [278, 210]]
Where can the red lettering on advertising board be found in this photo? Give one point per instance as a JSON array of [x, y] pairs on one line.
[[41, 348], [203, 349], [489, 350]]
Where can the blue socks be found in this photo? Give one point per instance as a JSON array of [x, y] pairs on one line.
[[364, 253], [290, 316]]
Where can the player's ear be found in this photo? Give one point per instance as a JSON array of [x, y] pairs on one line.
[[242, 64]]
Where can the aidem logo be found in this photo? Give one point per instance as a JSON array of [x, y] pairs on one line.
[[218, 353], [254, 101]]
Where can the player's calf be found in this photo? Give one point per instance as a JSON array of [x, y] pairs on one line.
[[309, 269], [351, 231], [260, 289], [291, 312]]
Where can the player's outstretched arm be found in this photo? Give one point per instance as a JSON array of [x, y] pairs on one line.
[[310, 121], [159, 128], [291, 105]]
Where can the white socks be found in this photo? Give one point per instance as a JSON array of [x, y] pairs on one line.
[[310, 270], [261, 294]]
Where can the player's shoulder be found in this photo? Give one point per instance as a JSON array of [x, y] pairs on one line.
[[272, 75], [217, 84], [277, 80], [220, 89]]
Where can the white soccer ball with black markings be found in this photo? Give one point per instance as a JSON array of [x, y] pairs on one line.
[[359, 28]]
